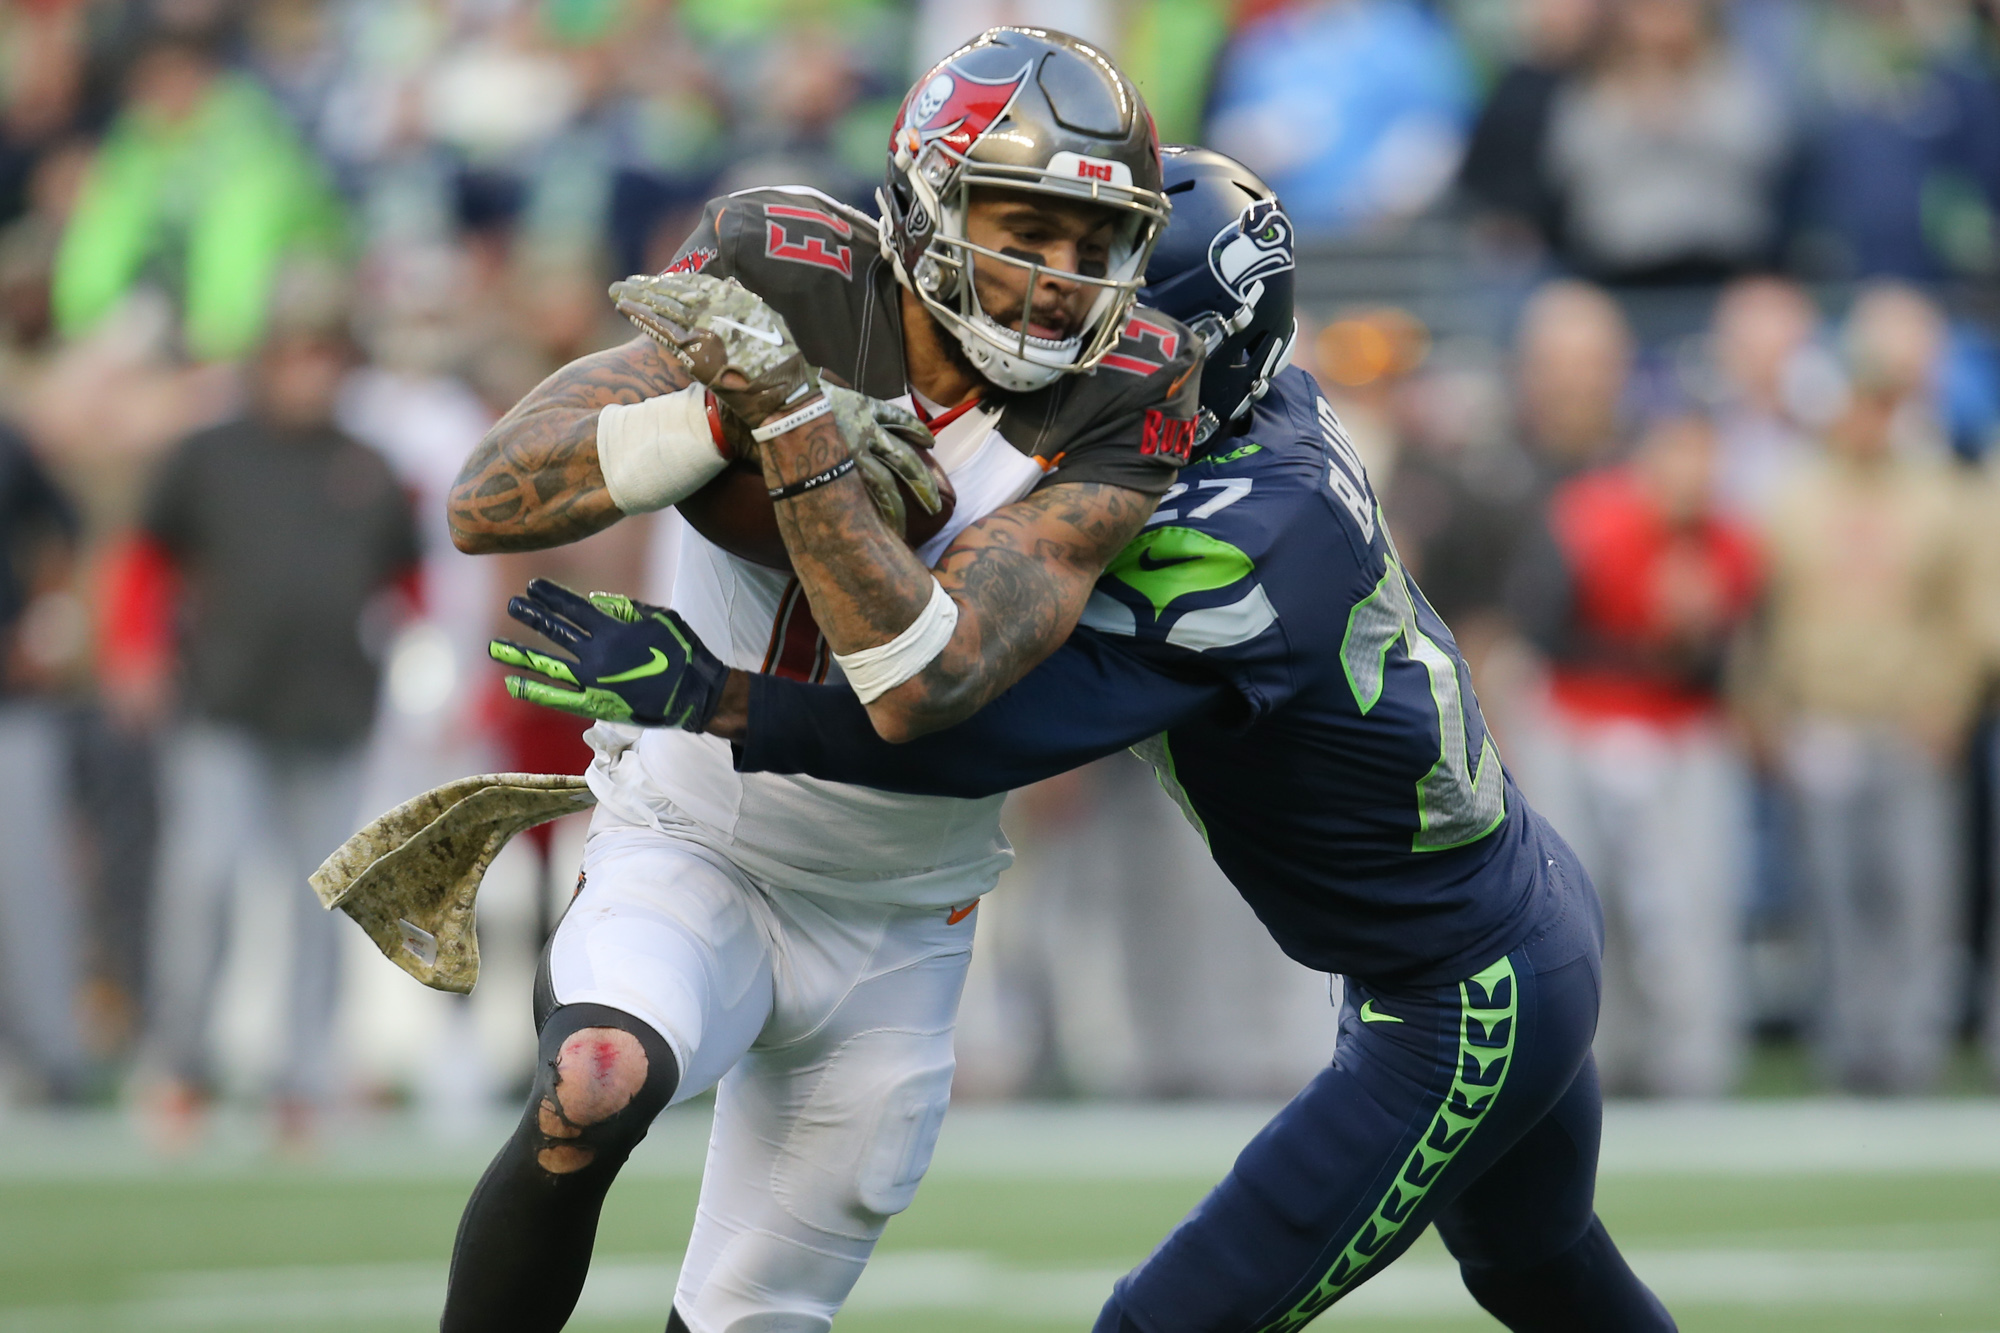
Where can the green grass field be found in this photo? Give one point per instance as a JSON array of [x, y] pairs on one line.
[[1866, 1223]]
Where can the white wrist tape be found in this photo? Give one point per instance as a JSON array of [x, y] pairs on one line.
[[657, 452], [873, 672]]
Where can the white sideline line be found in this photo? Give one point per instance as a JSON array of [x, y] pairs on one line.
[[969, 1282], [1818, 1136], [1091, 1141], [1830, 1136]]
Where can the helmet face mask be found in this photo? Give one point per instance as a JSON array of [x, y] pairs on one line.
[[998, 339], [1264, 359], [1033, 113]]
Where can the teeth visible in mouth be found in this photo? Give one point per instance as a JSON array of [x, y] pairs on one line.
[[1057, 345]]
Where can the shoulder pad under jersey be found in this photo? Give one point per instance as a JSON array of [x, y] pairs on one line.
[[1130, 422], [818, 263], [1258, 523]]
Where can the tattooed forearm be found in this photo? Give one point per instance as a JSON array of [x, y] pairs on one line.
[[864, 583], [534, 482], [1027, 569], [1020, 577]]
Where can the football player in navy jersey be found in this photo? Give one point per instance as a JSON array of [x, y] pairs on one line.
[[1262, 645]]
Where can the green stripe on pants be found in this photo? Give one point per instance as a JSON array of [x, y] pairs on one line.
[[1488, 1006]]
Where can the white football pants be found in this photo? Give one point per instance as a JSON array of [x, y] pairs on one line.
[[824, 1024]]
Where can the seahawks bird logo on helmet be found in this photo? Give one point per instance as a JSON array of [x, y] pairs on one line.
[[1225, 268], [1255, 246]]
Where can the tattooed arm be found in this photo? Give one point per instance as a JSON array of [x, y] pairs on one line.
[[534, 481], [1020, 577]]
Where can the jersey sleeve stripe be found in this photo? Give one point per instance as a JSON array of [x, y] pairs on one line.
[[1108, 615], [1224, 626], [1131, 365]]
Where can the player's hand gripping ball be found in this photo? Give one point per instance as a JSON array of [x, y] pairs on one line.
[[727, 338], [634, 662], [893, 455], [739, 347], [886, 441]]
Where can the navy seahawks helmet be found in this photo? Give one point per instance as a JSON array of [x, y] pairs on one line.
[[1224, 267]]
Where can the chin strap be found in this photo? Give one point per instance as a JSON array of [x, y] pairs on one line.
[[1205, 426], [1273, 363], [886, 227]]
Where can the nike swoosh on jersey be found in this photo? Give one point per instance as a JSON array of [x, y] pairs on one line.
[[652, 668], [1369, 1014], [1167, 563], [761, 335], [1148, 561]]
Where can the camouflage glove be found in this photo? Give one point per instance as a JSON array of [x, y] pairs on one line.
[[885, 439], [634, 662], [727, 338]]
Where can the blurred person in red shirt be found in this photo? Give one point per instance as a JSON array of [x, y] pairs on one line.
[[1636, 593], [272, 549]]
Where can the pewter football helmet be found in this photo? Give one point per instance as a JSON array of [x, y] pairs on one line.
[[1031, 110]]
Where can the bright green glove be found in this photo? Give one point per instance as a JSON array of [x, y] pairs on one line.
[[634, 662]]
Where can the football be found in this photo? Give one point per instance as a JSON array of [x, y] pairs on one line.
[[735, 512]]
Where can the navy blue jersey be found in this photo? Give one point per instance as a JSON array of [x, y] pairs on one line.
[[1262, 645]]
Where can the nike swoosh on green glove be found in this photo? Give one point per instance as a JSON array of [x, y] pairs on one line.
[[632, 662]]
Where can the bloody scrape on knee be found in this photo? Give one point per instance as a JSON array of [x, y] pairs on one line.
[[603, 1076]]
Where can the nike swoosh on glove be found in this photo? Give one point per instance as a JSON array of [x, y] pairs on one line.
[[634, 662], [727, 338]]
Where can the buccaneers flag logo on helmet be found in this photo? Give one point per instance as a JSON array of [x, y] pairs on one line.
[[954, 108]]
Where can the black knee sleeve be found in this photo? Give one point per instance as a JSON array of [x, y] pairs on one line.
[[612, 1139], [524, 1243], [1588, 1288]]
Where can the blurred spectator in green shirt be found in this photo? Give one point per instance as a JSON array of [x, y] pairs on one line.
[[201, 187], [1170, 51]]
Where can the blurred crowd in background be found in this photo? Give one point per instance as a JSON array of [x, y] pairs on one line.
[[1670, 330]]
